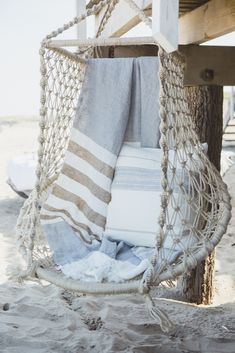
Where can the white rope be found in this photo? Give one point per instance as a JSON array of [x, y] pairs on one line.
[[100, 42], [159, 315], [93, 11]]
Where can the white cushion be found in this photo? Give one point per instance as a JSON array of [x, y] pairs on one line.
[[135, 205], [21, 172]]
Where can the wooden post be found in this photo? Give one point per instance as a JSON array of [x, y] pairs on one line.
[[165, 21], [81, 27], [206, 105]]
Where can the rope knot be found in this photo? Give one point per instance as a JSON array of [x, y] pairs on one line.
[[147, 279]]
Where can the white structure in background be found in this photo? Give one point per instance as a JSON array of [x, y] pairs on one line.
[[21, 173], [165, 23], [165, 29], [81, 27]]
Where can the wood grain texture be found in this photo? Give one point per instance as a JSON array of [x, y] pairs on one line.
[[206, 106], [184, 5], [217, 61], [213, 19]]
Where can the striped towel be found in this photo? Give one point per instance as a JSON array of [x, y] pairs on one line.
[[108, 113], [136, 198]]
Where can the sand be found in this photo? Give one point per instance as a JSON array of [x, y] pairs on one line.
[[44, 319]]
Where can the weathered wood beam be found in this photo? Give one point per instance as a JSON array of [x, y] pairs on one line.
[[130, 51], [211, 20], [209, 65]]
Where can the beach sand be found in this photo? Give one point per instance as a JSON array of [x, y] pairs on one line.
[[44, 319]]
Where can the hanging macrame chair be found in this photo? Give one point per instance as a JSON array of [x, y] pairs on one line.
[[62, 74]]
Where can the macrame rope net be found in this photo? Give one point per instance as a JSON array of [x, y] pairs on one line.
[[188, 177]]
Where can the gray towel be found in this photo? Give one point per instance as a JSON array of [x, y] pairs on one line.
[[144, 120], [68, 248]]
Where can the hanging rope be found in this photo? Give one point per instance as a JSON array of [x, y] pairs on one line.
[[188, 177]]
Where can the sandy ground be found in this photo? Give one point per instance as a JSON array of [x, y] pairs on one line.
[[44, 319]]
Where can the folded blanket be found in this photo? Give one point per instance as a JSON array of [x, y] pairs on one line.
[[68, 248], [99, 261], [115, 104], [98, 267]]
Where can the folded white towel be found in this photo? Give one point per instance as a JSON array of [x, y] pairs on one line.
[[21, 172], [99, 267]]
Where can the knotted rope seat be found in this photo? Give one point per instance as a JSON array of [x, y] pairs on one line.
[[62, 74]]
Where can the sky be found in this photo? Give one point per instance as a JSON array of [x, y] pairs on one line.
[[23, 24]]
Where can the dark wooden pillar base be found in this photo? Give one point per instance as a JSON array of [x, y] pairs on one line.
[[206, 105]]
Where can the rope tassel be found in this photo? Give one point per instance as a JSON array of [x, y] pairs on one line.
[[159, 315], [16, 273]]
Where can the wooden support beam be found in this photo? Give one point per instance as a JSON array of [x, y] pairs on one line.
[[131, 51], [81, 27], [211, 20], [165, 23], [209, 65]]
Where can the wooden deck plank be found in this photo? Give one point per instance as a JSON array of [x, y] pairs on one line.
[[211, 20]]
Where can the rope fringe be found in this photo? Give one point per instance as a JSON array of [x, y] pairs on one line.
[[159, 315], [17, 274]]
